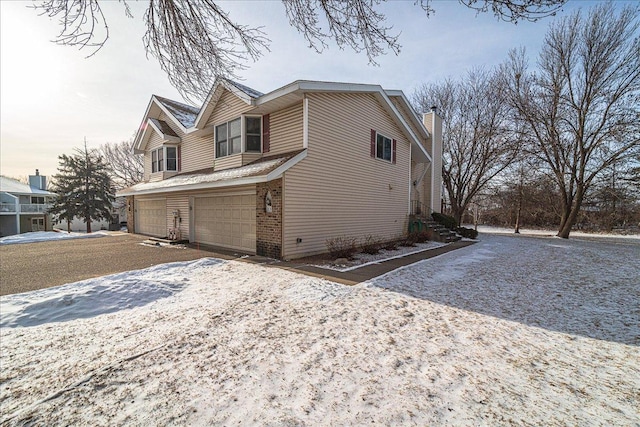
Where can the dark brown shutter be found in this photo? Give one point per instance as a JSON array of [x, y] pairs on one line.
[[393, 152], [179, 158], [373, 143], [266, 129]]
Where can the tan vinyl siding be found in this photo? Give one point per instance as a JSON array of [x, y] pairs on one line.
[[339, 189], [286, 130], [196, 151], [436, 176], [155, 141], [228, 162], [227, 108], [180, 203]]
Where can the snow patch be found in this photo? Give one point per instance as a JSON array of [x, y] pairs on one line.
[[44, 236]]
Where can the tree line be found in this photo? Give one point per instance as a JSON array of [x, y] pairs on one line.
[[562, 135]]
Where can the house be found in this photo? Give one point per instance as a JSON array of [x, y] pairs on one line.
[[277, 174], [23, 207]]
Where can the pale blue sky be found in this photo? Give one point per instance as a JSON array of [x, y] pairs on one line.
[[52, 97]]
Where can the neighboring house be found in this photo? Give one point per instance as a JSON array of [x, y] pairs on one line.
[[277, 174], [23, 207]]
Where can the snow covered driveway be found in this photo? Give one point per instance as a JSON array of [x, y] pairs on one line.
[[508, 331]]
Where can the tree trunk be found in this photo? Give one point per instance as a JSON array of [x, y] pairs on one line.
[[89, 225], [68, 225]]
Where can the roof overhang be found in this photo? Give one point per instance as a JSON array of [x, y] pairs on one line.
[[164, 188]]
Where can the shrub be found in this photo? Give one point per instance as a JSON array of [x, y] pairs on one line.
[[391, 245], [421, 236], [446, 220], [469, 233], [342, 247], [371, 245]]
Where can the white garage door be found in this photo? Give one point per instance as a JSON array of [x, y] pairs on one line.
[[151, 217], [228, 221]]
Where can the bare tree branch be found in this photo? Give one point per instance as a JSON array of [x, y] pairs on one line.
[[478, 139], [196, 41], [125, 168], [582, 105], [356, 24]]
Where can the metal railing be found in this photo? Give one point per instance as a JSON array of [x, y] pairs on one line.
[[419, 208], [23, 208]]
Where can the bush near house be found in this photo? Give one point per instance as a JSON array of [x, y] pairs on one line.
[[371, 245], [469, 233], [342, 247], [446, 220]]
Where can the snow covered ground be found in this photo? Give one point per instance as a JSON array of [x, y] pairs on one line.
[[43, 236], [509, 331]]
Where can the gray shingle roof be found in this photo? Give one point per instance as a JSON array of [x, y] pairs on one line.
[[186, 114], [164, 127]]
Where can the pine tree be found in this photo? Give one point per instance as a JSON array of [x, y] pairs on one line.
[[84, 188]]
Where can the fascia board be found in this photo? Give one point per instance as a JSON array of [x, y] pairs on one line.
[[143, 126], [414, 116], [168, 113], [404, 124], [237, 92], [201, 186], [139, 147], [205, 106], [167, 138], [277, 172]]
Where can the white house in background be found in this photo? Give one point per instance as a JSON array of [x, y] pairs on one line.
[[23, 207]]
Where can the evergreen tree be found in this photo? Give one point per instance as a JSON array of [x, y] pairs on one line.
[[84, 188]]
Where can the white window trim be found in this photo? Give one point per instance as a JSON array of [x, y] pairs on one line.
[[164, 158], [376, 148], [243, 135]]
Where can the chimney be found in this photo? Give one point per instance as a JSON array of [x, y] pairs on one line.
[[38, 181], [433, 122]]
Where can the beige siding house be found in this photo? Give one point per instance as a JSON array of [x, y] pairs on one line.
[[278, 174]]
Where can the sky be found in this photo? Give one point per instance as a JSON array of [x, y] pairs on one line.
[[53, 97]]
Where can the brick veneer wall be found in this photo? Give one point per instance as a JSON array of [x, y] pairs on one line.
[[131, 220], [269, 225]]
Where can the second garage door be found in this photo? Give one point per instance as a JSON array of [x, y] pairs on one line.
[[151, 217], [227, 220]]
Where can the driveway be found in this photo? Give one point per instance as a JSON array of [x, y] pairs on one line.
[[30, 266]]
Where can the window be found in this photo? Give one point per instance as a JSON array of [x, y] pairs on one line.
[[37, 200], [172, 158], [164, 158], [252, 126], [229, 136], [383, 147]]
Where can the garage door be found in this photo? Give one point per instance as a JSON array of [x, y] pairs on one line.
[[228, 221], [151, 217]]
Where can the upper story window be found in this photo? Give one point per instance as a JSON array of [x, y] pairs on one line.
[[383, 147], [37, 200], [164, 159], [236, 136]]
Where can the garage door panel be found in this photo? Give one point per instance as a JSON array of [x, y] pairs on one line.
[[151, 217], [227, 221]]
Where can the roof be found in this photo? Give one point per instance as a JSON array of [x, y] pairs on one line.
[[246, 89], [10, 185], [191, 119], [186, 114], [262, 170], [163, 127]]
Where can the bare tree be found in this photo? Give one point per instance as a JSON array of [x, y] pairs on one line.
[[478, 142], [197, 41], [125, 168], [581, 108]]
